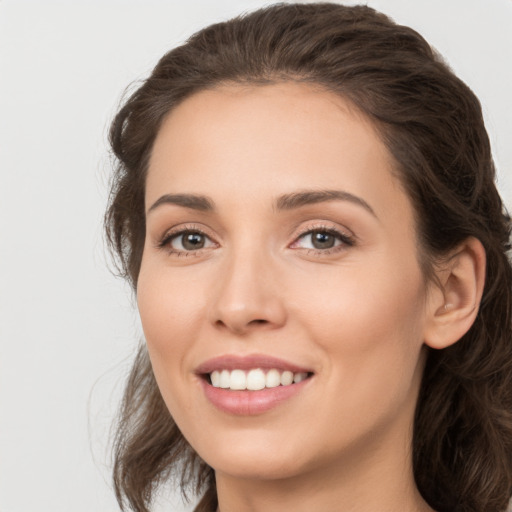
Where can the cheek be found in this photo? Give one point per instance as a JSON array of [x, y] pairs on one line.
[[370, 334], [170, 310], [368, 323]]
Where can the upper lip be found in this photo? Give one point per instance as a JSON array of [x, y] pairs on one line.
[[237, 362]]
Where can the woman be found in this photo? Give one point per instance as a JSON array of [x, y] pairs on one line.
[[305, 206]]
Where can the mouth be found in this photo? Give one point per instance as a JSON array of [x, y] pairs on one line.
[[254, 379], [251, 384]]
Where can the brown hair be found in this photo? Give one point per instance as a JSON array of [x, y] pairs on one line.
[[432, 124]]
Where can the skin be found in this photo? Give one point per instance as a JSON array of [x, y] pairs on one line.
[[357, 314]]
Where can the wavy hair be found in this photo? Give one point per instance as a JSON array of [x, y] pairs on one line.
[[432, 125]]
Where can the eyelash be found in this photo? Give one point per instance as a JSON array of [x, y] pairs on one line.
[[167, 239], [344, 239]]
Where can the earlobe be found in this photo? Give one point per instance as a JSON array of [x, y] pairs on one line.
[[454, 301]]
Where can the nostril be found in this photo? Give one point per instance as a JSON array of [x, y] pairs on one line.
[[258, 321]]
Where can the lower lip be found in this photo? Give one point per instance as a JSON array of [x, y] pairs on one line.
[[250, 403]]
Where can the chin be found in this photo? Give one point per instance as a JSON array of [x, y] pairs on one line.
[[262, 467], [259, 459]]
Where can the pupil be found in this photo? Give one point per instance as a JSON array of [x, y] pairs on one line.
[[322, 240], [193, 241]]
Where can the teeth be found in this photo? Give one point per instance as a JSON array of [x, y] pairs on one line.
[[224, 379], [272, 379], [255, 379], [299, 377], [215, 378], [286, 378], [237, 380]]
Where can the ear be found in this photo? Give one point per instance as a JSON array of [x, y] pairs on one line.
[[454, 300]]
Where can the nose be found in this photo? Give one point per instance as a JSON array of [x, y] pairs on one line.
[[248, 295]]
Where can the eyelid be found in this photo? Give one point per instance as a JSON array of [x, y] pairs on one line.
[[164, 241], [323, 225], [346, 236]]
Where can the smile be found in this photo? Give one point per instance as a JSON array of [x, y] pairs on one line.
[[255, 379], [251, 385]]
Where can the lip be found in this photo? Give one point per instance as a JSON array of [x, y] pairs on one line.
[[246, 402], [235, 362]]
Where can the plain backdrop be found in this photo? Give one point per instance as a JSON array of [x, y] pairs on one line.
[[68, 327]]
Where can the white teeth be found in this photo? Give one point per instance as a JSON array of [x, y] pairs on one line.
[[272, 379], [238, 380], [286, 378], [215, 377], [299, 377], [255, 379], [224, 379]]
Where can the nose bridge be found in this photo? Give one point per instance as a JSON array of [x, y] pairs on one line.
[[247, 295]]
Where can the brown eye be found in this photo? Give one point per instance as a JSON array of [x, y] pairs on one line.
[[322, 239], [190, 241], [319, 239], [193, 241]]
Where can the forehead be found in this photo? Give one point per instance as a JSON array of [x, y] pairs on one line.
[[269, 140]]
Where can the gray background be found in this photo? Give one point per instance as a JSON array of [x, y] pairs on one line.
[[67, 326]]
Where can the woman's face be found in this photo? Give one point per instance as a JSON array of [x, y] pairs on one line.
[[281, 245]]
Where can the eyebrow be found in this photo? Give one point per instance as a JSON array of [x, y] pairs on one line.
[[307, 197], [192, 201], [285, 202]]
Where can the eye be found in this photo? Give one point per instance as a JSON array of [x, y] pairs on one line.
[[187, 241], [322, 240]]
